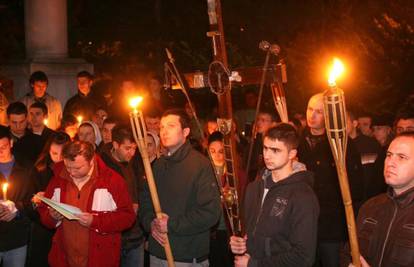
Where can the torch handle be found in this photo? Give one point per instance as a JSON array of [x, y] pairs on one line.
[[349, 212], [138, 127]]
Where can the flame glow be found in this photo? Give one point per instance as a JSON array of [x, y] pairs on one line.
[[337, 69], [79, 119], [45, 121], [134, 102], [4, 188]]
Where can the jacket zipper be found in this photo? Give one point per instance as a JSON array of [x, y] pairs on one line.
[[260, 210], [387, 236]]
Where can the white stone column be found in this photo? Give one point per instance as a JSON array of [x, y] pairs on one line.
[[46, 29]]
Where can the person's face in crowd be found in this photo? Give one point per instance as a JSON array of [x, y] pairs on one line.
[[153, 124], [128, 88], [171, 132], [155, 86], [18, 124], [72, 130], [78, 168], [151, 147], [263, 123], [351, 125], [216, 149], [87, 134], [315, 114], [301, 118], [5, 149], [99, 117], [36, 117], [187, 109], [381, 133], [251, 100], [55, 152], [276, 154], [211, 127], [84, 85], [364, 124], [404, 125], [107, 132], [39, 88], [399, 164], [125, 151]]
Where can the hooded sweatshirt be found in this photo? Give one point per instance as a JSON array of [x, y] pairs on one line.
[[281, 220]]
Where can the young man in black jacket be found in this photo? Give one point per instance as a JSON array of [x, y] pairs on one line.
[[281, 209], [120, 156]]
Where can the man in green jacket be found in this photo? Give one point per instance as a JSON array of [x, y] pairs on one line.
[[188, 195]]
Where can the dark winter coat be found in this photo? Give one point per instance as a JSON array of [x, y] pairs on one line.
[[189, 195], [281, 230]]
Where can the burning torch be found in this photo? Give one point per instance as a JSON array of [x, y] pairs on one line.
[[335, 123], [140, 132]]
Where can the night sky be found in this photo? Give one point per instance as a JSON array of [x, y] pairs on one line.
[[374, 38]]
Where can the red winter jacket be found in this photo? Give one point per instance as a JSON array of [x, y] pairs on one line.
[[112, 208]]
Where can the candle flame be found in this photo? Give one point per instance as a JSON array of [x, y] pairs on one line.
[[4, 187], [79, 119], [45, 121], [337, 69], [134, 102]]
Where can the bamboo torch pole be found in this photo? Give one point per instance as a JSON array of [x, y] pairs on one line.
[[335, 123], [140, 132]]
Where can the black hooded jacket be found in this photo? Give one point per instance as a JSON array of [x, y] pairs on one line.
[[282, 225]]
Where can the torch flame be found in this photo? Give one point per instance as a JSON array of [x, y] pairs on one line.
[[134, 102], [336, 71], [79, 119]]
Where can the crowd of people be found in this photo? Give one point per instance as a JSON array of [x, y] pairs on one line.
[[85, 155]]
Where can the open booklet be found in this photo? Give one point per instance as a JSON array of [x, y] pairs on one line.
[[68, 211]]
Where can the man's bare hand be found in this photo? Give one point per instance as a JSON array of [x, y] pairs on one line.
[[37, 200], [159, 229], [54, 214], [85, 219], [238, 244], [364, 263], [241, 261]]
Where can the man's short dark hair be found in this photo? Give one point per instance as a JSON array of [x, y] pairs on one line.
[[405, 112], [110, 120], [285, 133], [183, 117], [41, 106], [16, 108], [38, 76], [120, 133], [271, 113], [85, 74], [78, 148], [5, 132], [153, 113]]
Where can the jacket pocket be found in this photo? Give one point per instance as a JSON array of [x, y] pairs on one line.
[[365, 236]]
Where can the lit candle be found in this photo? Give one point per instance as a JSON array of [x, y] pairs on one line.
[[5, 187], [45, 122]]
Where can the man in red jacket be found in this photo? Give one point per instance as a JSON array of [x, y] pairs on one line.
[[84, 181]]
